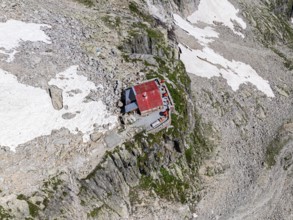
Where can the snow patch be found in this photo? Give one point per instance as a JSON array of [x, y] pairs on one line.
[[204, 36], [13, 32], [207, 63], [221, 11], [26, 112]]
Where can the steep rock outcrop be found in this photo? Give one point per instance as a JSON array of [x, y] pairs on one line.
[[283, 7]]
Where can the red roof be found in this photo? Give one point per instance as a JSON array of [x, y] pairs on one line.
[[148, 96]]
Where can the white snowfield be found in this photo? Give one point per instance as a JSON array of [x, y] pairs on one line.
[[217, 10], [207, 62], [26, 112], [204, 36], [13, 32]]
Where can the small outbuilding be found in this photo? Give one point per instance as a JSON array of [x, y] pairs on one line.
[[145, 97]]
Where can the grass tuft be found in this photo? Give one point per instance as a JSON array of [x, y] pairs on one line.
[[88, 3]]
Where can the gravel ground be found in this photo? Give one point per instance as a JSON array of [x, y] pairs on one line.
[[241, 186]]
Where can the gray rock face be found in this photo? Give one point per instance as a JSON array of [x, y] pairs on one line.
[[143, 45], [282, 7], [56, 97], [111, 191]]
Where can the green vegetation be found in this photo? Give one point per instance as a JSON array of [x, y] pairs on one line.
[[99, 167], [210, 171], [188, 155], [52, 189], [274, 150], [199, 148], [53, 183], [154, 34], [33, 209], [167, 186], [134, 8], [88, 3], [4, 214], [21, 197], [94, 213], [178, 85], [112, 22]]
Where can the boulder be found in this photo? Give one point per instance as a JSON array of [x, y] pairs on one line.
[[68, 116], [120, 104], [56, 97], [96, 136]]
